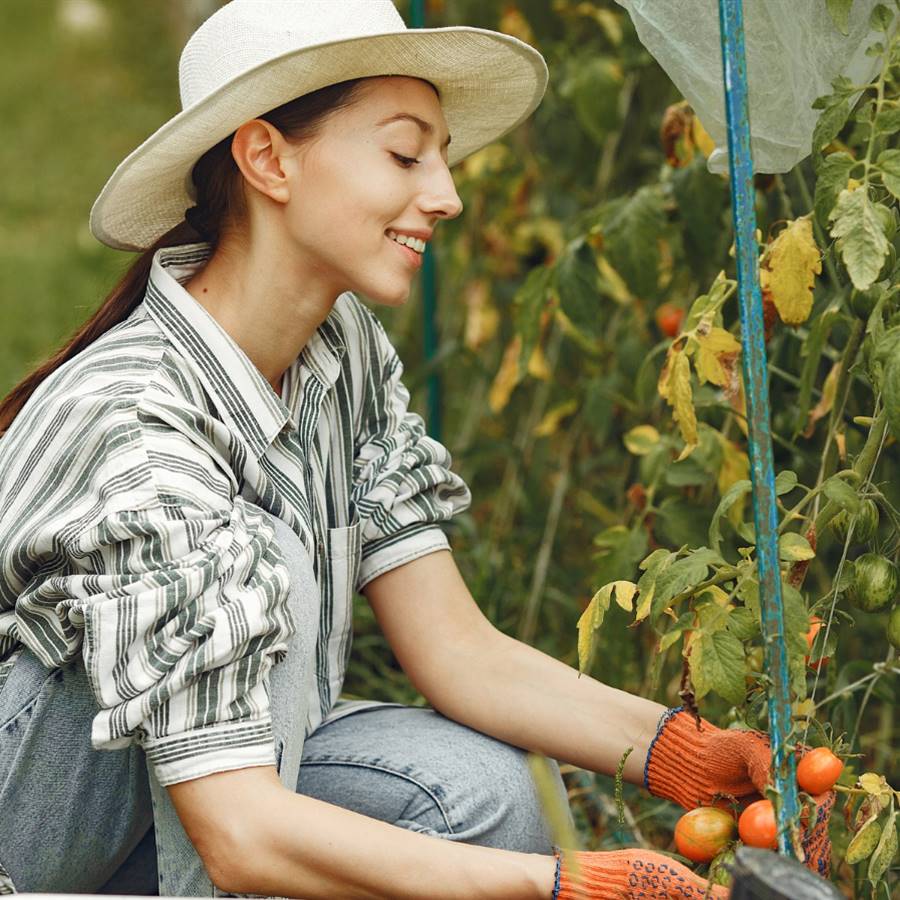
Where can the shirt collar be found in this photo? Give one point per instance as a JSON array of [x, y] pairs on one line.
[[242, 395]]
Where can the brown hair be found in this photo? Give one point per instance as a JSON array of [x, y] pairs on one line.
[[220, 206]]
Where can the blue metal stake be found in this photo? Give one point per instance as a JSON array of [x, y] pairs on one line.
[[429, 291], [765, 513]]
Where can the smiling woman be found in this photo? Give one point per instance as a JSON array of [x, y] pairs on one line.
[[193, 489]]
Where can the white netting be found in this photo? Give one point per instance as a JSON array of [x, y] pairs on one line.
[[793, 52]]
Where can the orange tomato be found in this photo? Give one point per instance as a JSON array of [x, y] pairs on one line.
[[815, 625], [669, 318], [757, 826], [818, 770], [701, 833]]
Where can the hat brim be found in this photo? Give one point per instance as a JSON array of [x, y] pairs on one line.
[[489, 83]]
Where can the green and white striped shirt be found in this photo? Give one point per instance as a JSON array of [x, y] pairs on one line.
[[126, 533]]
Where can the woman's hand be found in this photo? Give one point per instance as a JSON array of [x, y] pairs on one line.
[[630, 875], [705, 767]]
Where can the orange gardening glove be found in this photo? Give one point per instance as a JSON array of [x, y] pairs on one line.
[[691, 767], [630, 875]]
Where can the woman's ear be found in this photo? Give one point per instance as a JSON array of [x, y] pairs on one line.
[[259, 149]]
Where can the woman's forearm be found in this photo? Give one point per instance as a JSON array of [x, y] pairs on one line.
[[298, 846], [520, 695]]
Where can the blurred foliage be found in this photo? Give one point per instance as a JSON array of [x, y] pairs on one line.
[[579, 228]]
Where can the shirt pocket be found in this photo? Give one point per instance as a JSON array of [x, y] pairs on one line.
[[343, 554]]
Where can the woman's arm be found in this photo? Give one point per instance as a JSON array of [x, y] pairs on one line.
[[473, 673], [257, 837]]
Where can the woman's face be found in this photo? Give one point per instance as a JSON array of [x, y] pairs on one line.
[[372, 174]]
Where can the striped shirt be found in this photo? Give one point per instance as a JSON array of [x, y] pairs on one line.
[[127, 532]]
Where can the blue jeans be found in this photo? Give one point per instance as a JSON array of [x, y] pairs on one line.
[[78, 820]]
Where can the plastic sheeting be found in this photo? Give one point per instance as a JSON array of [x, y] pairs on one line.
[[793, 52]]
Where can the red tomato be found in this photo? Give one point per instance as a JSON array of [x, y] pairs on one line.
[[669, 318], [757, 827], [818, 770], [815, 625], [701, 833]]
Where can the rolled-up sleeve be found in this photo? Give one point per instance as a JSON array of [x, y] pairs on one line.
[[403, 487], [184, 612]]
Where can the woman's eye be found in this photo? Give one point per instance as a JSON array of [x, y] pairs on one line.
[[405, 161]]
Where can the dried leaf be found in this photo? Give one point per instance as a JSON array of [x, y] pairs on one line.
[[482, 319], [735, 467], [792, 262], [716, 355]]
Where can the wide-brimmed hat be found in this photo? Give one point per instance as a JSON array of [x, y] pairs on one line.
[[252, 56]]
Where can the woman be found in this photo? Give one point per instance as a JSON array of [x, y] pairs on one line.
[[196, 485]]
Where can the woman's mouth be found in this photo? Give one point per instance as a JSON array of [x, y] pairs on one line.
[[412, 258]]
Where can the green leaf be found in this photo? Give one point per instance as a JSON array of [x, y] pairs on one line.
[[743, 624], [880, 18], [717, 664], [889, 164], [860, 236], [885, 851], [812, 353], [528, 304], [828, 127], [794, 547], [680, 576], [891, 392], [832, 179], [630, 239], [785, 482], [796, 621], [729, 498], [701, 197], [837, 489], [619, 553], [651, 567], [839, 10], [888, 121], [576, 281]]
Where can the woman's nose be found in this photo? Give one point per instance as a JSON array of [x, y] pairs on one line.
[[442, 199]]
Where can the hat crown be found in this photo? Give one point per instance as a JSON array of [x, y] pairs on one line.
[[246, 33]]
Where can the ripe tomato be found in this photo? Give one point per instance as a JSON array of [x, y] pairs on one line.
[[815, 625], [818, 770], [701, 833], [757, 827], [669, 318]]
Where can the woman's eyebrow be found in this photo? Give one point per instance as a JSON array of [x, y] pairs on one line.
[[426, 127]]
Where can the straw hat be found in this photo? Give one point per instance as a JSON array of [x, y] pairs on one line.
[[251, 56]]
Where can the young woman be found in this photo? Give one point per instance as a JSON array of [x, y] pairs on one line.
[[195, 486]]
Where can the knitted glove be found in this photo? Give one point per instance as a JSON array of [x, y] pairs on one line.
[[691, 767], [630, 875]]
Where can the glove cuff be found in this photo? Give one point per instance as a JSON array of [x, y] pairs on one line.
[[673, 769]]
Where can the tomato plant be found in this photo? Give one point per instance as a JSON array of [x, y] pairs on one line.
[[669, 318]]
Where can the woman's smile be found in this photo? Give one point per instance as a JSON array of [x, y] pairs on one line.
[[412, 258]]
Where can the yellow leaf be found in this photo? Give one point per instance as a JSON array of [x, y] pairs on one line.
[[550, 423], [537, 364], [826, 401], [482, 319], [701, 137], [675, 388], [793, 261], [592, 618], [716, 355], [613, 282], [735, 467], [507, 376], [641, 439]]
